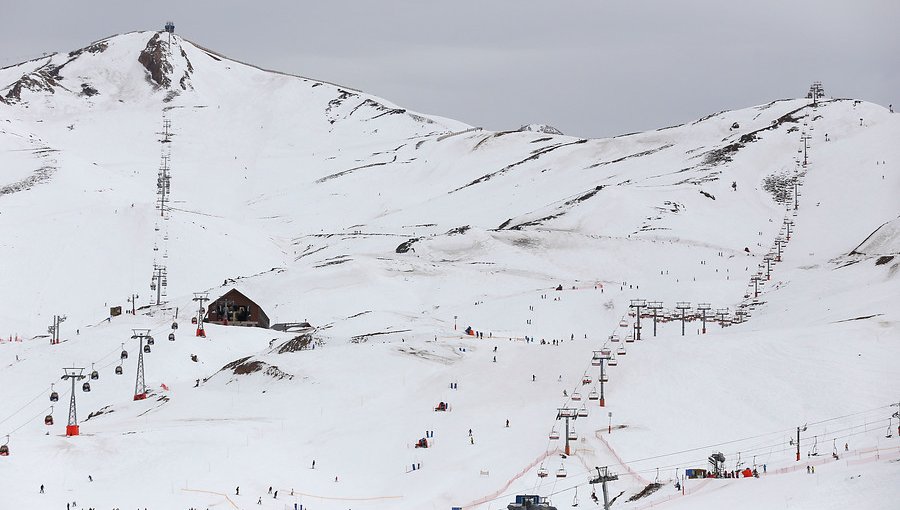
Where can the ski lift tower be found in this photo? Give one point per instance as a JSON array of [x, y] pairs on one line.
[[805, 138], [788, 223], [158, 281], [567, 413], [684, 306], [603, 476], [717, 464], [779, 242], [722, 315], [755, 279], [75, 374], [54, 329], [140, 388], [703, 308], [200, 297], [170, 29], [815, 92], [769, 258], [656, 306], [602, 359], [637, 304]]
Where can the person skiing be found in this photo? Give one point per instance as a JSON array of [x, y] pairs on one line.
[[314, 464], [237, 491], [42, 488], [507, 423]]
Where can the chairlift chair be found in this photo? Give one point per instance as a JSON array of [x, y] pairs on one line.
[[629, 338], [174, 325], [147, 349], [86, 387], [171, 337], [583, 412], [604, 377], [48, 420], [54, 396], [623, 323], [573, 436], [94, 374], [593, 395], [586, 379], [150, 340], [612, 362], [119, 370], [613, 338], [621, 351], [561, 472], [576, 396], [542, 472], [596, 360], [554, 435], [605, 352], [124, 355]]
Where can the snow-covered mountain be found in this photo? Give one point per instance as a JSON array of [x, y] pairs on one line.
[[391, 231]]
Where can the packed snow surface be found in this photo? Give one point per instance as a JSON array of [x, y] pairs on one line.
[[390, 232]]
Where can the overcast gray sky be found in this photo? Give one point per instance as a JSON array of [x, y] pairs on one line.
[[589, 68]]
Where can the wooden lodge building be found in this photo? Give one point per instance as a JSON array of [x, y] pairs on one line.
[[236, 309]]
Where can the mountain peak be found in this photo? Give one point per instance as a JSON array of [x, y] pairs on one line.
[[108, 67]]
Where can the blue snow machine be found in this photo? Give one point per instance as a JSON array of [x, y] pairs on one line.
[[528, 502]]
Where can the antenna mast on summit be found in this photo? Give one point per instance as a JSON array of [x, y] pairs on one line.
[[170, 29]]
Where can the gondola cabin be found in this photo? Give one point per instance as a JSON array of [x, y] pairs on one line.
[[236, 309]]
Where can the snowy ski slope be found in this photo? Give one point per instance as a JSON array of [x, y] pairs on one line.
[[390, 232]]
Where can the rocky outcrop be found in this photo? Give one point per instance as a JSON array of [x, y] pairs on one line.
[[153, 58]]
